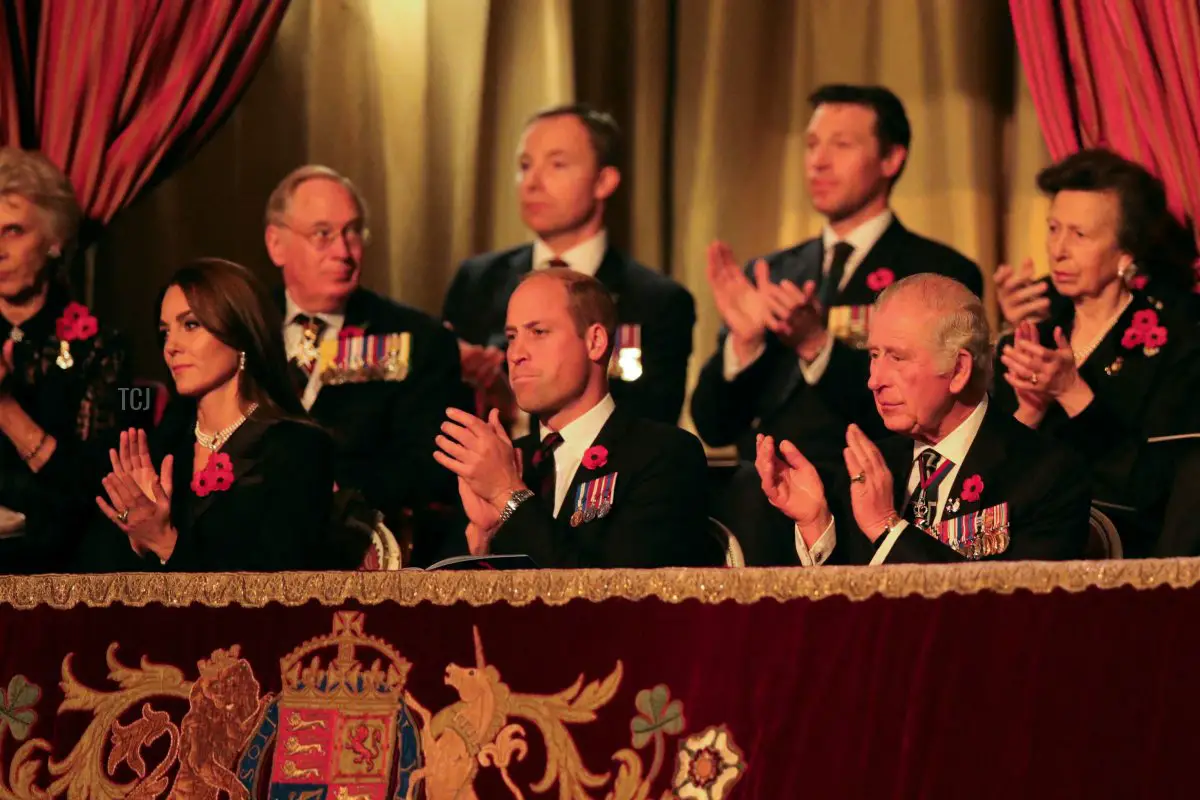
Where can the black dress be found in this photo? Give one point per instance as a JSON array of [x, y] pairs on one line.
[[1144, 385], [67, 376], [272, 514]]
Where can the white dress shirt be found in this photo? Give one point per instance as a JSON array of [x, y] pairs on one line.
[[293, 337], [578, 435], [584, 257], [862, 238], [953, 447]]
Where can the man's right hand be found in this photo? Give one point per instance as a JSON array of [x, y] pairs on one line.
[[792, 485], [740, 304], [1019, 295]]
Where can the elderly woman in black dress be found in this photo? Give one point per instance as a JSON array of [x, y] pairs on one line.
[[60, 372], [1116, 362]]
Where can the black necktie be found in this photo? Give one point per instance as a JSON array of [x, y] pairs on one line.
[[837, 268], [543, 467], [922, 506]]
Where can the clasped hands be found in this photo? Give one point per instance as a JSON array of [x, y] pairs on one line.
[[791, 312], [139, 499], [488, 467], [792, 485]]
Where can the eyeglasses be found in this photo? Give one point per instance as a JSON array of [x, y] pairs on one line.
[[322, 237]]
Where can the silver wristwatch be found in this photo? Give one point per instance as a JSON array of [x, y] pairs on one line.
[[514, 500]]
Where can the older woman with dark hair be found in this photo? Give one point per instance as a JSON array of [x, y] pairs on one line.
[[1114, 361], [60, 374], [236, 477]]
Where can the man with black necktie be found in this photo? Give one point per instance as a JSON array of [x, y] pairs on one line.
[[383, 423], [969, 482], [596, 486], [797, 318], [567, 171], [788, 361]]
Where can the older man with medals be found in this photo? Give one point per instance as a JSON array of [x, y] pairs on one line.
[[598, 486], [376, 373], [969, 482]]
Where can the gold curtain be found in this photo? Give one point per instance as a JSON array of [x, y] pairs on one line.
[[421, 103]]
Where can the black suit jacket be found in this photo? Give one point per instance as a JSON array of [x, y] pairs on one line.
[[657, 517], [1047, 488], [771, 397], [477, 304], [384, 430], [1139, 394], [274, 516]]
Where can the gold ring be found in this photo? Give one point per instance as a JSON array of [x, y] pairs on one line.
[[124, 515], [859, 478]]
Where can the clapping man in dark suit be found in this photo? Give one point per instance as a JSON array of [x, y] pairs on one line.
[[959, 481], [795, 320], [567, 170], [388, 371], [596, 486]]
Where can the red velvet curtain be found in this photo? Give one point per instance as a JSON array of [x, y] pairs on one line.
[[1122, 74], [118, 92]]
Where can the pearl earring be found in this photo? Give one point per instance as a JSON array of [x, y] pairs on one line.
[[54, 252]]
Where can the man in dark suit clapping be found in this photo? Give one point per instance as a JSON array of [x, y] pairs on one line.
[[960, 481], [379, 375], [596, 486], [567, 170], [795, 320]]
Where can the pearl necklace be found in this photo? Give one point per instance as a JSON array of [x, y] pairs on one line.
[[214, 441], [1083, 355]]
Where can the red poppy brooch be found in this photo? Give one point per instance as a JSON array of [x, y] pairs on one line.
[[880, 279], [217, 476], [75, 324], [971, 489], [1145, 332], [595, 457]]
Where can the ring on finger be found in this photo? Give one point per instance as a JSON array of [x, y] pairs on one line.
[[1033, 378], [859, 478], [123, 516]]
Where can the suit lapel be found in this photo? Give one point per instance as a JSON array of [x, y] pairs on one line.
[[883, 254], [612, 274], [242, 451], [985, 459], [898, 455], [609, 436], [519, 264]]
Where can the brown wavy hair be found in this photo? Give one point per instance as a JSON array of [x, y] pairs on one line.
[[236, 308]]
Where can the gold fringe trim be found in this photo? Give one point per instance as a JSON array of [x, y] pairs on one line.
[[557, 587]]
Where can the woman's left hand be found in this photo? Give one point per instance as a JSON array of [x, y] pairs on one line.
[[1037, 370], [139, 500]]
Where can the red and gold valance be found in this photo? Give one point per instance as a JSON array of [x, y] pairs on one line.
[[978, 680]]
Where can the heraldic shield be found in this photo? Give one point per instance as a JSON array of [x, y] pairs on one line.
[[336, 724]]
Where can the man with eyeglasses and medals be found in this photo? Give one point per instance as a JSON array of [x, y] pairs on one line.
[[377, 373], [961, 481]]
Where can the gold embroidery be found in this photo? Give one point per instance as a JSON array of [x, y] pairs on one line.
[[557, 587], [484, 728]]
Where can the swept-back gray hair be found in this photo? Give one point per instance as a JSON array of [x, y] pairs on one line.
[[281, 197], [960, 325], [34, 177]]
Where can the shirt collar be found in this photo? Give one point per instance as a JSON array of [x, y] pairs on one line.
[[862, 238], [584, 257], [955, 446], [579, 434], [333, 321]]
